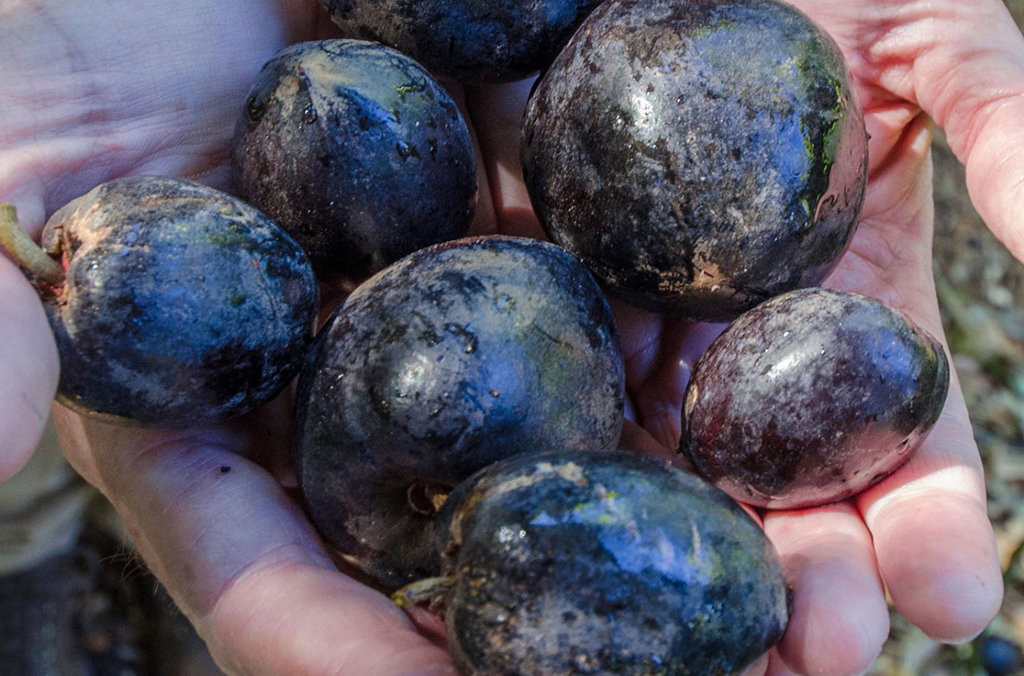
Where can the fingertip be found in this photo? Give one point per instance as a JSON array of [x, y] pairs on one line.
[[966, 612], [495, 113], [14, 459], [989, 145], [839, 623], [839, 620], [939, 561]]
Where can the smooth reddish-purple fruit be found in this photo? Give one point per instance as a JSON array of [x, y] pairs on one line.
[[811, 397]]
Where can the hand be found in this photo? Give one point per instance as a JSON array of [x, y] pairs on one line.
[[924, 532], [90, 91], [233, 547]]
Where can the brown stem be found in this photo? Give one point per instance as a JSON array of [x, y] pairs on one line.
[[438, 500], [27, 253]]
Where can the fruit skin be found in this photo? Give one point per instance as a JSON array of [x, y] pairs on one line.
[[357, 152], [182, 306], [453, 358], [605, 563], [468, 40], [812, 397], [699, 157]]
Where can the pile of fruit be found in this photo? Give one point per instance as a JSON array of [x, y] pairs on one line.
[[457, 418]]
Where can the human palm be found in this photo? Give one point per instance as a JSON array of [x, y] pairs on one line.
[[98, 89]]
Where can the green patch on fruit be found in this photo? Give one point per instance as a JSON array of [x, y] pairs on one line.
[[410, 88]]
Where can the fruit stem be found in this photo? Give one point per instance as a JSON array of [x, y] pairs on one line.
[[422, 590], [27, 253], [438, 500]]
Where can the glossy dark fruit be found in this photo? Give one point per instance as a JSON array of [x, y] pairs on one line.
[[812, 397], [699, 157], [357, 152], [455, 357], [182, 306], [605, 563], [469, 40]]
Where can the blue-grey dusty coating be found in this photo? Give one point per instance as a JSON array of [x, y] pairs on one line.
[[468, 40], [357, 152], [182, 306], [699, 157], [451, 359], [812, 397], [605, 563]]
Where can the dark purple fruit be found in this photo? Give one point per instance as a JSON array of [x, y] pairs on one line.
[[455, 357], [357, 152], [605, 563], [699, 157], [812, 397], [181, 306], [469, 40]]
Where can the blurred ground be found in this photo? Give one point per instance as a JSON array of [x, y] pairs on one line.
[[981, 291]]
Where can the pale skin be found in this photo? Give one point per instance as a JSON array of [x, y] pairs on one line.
[[96, 89]]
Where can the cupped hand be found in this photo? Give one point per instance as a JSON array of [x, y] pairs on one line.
[[98, 89], [923, 534], [94, 90]]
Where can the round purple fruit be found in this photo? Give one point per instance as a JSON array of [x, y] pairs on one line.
[[812, 397], [699, 157], [358, 153], [469, 40], [455, 357], [173, 304], [604, 563]]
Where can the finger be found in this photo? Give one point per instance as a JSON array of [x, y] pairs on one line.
[[972, 82], [777, 666], [840, 619], [638, 440], [933, 541], [963, 64], [28, 360], [660, 355], [891, 252], [497, 113], [240, 558], [658, 382]]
